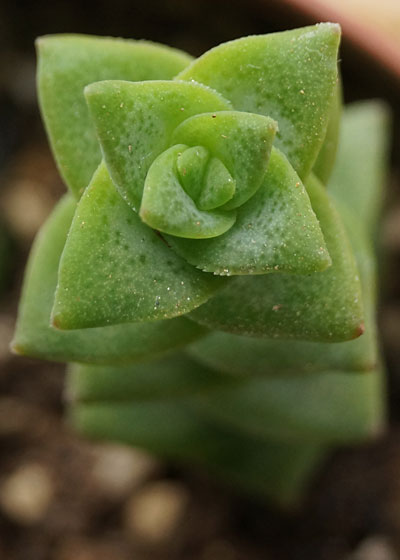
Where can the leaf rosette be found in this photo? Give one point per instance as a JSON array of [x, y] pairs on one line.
[[201, 169]]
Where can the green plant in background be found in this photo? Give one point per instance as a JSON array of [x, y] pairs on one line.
[[209, 289]]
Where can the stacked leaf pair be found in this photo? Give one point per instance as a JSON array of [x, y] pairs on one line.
[[212, 285]]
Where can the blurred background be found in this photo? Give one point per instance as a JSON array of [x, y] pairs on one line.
[[62, 498]]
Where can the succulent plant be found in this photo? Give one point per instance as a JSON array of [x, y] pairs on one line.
[[210, 290]]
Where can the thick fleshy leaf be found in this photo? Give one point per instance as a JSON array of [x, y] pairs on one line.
[[358, 178], [219, 186], [135, 121], [114, 269], [240, 355], [191, 166], [323, 306], [364, 123], [173, 376], [179, 431], [67, 63], [277, 470], [151, 406], [289, 76], [242, 141], [116, 344], [327, 406], [168, 208], [259, 356], [275, 231], [327, 154]]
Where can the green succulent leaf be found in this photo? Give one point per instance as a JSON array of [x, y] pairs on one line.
[[167, 207], [67, 63], [324, 306], [290, 76], [358, 178], [219, 186], [276, 230], [327, 155], [117, 344], [191, 166], [276, 470], [135, 122], [325, 407], [171, 377], [334, 406], [241, 141], [239, 355], [114, 269], [242, 355], [140, 413]]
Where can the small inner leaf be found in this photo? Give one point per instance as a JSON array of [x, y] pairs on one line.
[[219, 186], [242, 141], [168, 208], [191, 166]]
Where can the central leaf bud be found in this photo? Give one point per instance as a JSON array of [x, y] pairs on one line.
[[205, 179], [216, 164], [170, 191]]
